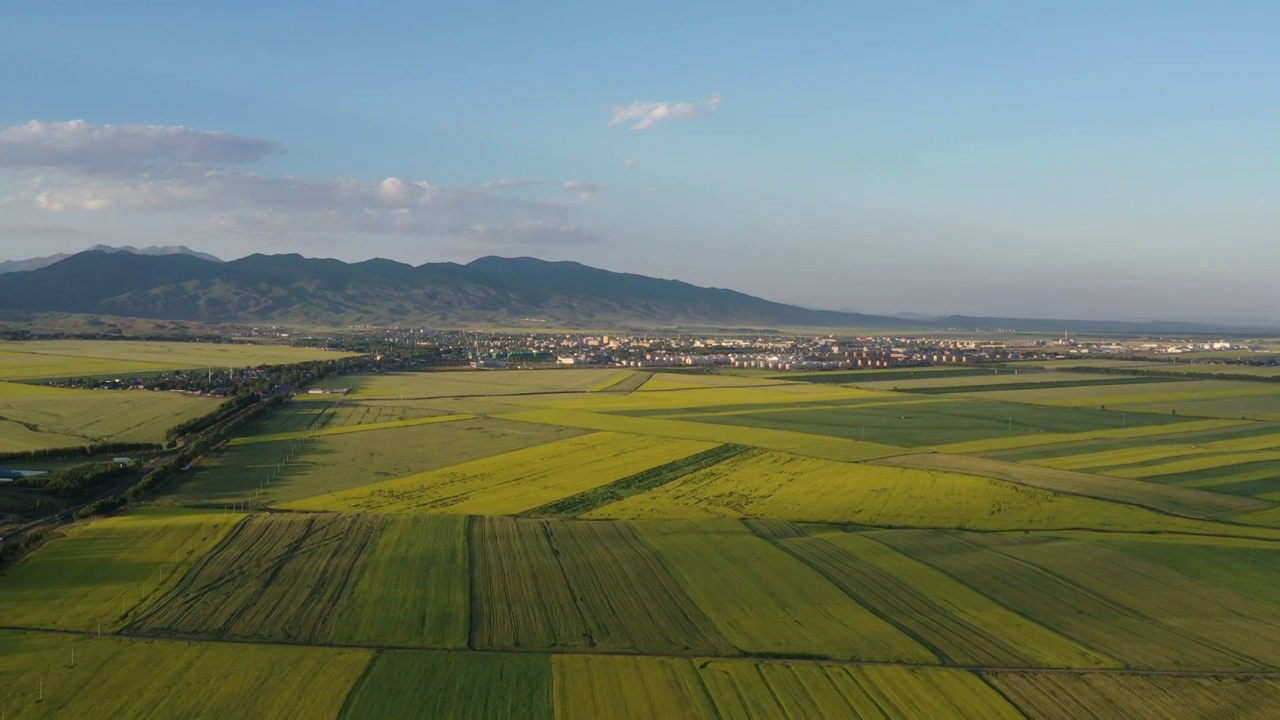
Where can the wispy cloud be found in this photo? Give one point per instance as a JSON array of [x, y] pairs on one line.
[[516, 183], [648, 114], [74, 167], [584, 189], [530, 232], [120, 148]]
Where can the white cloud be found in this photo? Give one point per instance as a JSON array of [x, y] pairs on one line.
[[648, 114], [116, 148], [529, 232], [516, 182], [585, 190], [630, 163], [168, 172]]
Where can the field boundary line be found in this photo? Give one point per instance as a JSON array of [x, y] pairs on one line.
[[1269, 674]]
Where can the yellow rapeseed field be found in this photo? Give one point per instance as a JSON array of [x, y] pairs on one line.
[[513, 482], [782, 486], [797, 442]]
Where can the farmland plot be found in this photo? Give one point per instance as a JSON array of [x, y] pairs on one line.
[[100, 573], [747, 689], [413, 587], [457, 685], [782, 486], [1086, 696], [765, 601], [564, 585], [135, 680], [594, 687], [333, 463], [1181, 501], [1142, 632], [514, 482], [960, 625], [938, 422], [1248, 567], [278, 577], [36, 418]]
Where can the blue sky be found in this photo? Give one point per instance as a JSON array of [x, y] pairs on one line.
[[1097, 159]]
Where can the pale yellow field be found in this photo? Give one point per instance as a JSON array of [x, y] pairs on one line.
[[777, 485], [107, 570], [1026, 441], [796, 442], [127, 679], [513, 482]]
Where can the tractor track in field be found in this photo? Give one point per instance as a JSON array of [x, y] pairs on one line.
[[1260, 674]]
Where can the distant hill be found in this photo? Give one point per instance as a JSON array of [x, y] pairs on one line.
[[177, 284], [10, 266], [291, 289]]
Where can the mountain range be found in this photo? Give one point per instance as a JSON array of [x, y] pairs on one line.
[[9, 266], [183, 285]]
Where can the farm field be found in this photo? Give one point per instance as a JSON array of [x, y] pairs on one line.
[[385, 604], [453, 685], [130, 679], [767, 602], [38, 418], [276, 578], [776, 485], [564, 585], [334, 463], [611, 543], [513, 482], [49, 359], [103, 573]]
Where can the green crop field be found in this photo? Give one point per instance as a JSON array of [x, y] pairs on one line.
[[276, 577], [611, 543], [68, 676], [453, 685], [557, 585], [101, 574], [39, 418], [287, 471]]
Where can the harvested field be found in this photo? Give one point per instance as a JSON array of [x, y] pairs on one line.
[[578, 586], [277, 577]]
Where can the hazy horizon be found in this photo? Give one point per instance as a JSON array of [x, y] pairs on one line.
[[1085, 162]]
